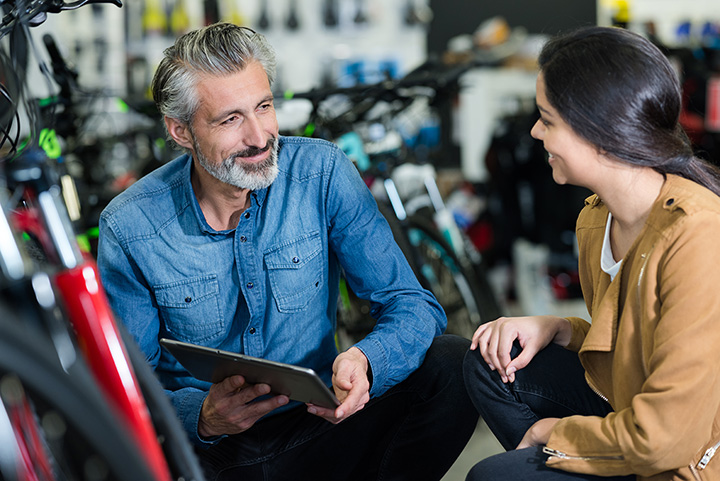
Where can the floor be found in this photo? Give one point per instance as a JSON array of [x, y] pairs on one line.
[[481, 445]]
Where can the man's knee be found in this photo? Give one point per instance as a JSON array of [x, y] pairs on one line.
[[447, 351], [442, 369]]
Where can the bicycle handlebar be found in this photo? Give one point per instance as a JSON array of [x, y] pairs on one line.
[[77, 4], [431, 74], [34, 12]]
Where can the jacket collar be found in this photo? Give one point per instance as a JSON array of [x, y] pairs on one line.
[[678, 196]]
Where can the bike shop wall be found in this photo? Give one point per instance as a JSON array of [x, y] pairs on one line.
[[341, 41], [345, 41]]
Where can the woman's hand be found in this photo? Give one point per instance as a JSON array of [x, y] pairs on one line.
[[533, 333], [538, 434]]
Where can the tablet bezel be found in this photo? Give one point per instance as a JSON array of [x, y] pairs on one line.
[[213, 365]]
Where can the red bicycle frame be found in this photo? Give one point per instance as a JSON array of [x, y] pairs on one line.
[[44, 217]]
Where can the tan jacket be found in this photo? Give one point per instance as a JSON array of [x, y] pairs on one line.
[[653, 349]]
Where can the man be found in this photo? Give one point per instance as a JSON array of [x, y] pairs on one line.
[[238, 245]]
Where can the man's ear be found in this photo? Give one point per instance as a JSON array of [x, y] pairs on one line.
[[180, 132]]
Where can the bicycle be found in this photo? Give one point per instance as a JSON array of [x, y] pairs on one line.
[[362, 120], [108, 143], [78, 399]]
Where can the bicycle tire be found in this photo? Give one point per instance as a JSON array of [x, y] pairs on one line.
[[467, 299], [173, 439], [472, 277], [455, 286], [91, 436], [399, 231]]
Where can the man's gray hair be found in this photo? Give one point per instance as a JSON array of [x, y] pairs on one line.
[[218, 49]]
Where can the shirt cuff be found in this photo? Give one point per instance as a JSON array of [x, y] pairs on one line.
[[377, 364], [190, 407]]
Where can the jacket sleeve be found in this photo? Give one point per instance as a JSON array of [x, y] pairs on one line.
[[408, 316], [133, 305], [671, 418], [580, 328]]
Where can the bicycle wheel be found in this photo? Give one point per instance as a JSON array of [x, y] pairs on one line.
[[62, 421], [181, 458], [354, 319], [454, 286]]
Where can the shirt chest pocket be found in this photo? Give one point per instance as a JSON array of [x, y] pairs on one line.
[[295, 271], [190, 309]]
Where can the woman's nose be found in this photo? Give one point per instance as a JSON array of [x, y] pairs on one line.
[[537, 130]]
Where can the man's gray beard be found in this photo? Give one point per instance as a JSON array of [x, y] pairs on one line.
[[234, 171]]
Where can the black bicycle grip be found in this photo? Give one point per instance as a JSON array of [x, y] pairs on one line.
[[57, 6], [56, 57]]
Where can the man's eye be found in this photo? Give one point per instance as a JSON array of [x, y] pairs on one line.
[[230, 120]]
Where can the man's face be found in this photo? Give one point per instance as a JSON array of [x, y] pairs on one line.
[[234, 132]]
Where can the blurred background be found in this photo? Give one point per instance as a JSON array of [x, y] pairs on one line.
[[474, 131], [456, 80]]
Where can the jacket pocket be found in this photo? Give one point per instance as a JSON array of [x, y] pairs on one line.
[[706, 466], [190, 309], [295, 270]]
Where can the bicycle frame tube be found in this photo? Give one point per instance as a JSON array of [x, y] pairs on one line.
[[12, 263], [394, 198], [89, 312], [100, 341]]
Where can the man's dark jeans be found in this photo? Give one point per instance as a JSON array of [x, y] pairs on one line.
[[416, 430], [552, 385]]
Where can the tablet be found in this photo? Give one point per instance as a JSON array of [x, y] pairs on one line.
[[213, 365]]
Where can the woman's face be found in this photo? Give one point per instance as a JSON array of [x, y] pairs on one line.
[[573, 159]]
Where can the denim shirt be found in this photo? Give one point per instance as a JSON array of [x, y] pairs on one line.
[[269, 287]]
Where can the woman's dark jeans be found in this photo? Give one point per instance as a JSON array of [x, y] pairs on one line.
[[552, 385]]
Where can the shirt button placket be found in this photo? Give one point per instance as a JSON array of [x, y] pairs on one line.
[[252, 340]]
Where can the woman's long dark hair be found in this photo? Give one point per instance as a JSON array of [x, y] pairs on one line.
[[619, 92]]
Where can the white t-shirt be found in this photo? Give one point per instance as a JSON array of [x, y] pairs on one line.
[[607, 260]]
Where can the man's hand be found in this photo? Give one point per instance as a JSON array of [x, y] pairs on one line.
[[228, 407], [351, 385]]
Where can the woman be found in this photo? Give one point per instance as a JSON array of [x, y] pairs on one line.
[[635, 393]]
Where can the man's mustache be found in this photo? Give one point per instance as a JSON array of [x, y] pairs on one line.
[[253, 151]]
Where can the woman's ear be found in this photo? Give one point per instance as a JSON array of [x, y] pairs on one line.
[[180, 132]]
